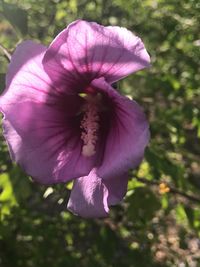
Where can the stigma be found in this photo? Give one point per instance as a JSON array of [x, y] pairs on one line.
[[90, 124]]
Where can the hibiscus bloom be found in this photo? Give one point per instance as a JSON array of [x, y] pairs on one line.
[[63, 120]]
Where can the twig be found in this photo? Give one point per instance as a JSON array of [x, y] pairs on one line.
[[172, 189], [5, 52]]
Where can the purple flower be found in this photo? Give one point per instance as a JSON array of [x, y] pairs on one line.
[[63, 120]]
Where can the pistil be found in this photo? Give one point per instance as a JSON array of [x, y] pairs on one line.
[[90, 124]]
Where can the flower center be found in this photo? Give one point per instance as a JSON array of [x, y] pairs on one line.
[[90, 124]]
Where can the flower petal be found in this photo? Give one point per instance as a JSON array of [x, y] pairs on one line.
[[127, 137], [26, 78], [40, 125], [117, 188], [44, 143], [91, 196], [87, 50], [24, 52]]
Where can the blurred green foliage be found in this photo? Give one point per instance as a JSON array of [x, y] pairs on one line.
[[157, 224]]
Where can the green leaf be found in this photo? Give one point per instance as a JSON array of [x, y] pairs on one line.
[[7, 197], [181, 215], [20, 183], [16, 16], [190, 214], [142, 205]]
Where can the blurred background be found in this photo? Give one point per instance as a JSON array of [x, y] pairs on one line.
[[158, 223]]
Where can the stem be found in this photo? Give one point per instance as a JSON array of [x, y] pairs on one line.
[[5, 52], [172, 189]]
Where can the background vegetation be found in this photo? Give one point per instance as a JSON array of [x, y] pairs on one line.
[[158, 224]]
